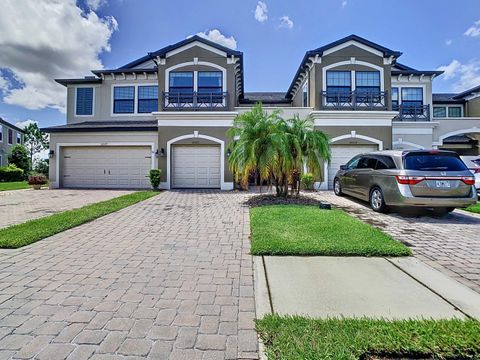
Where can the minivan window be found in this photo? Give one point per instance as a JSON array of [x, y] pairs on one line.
[[434, 162], [367, 163], [385, 162], [352, 164]]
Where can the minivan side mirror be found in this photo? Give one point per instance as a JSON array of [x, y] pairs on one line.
[[343, 167]]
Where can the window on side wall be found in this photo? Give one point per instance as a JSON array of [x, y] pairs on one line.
[[339, 86], [367, 85], [10, 136], [180, 87], [439, 111], [1, 133], [454, 111], [19, 138], [147, 99], [210, 87], [305, 94], [394, 98], [123, 99], [84, 101]]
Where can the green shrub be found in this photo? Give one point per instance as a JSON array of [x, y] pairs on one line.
[[154, 175], [307, 181], [19, 157], [11, 173]]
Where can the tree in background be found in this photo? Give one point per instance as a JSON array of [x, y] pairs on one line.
[[34, 140], [41, 167], [19, 157]]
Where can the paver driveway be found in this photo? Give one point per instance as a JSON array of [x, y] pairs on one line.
[[18, 206], [170, 277], [451, 244]]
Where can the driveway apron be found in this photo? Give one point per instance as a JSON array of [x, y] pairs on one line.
[[170, 277]]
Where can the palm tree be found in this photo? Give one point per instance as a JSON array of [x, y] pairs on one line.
[[277, 149]]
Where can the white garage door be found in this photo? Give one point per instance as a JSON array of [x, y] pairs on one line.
[[196, 166], [341, 154], [106, 167]]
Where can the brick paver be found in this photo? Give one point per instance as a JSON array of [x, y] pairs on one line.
[[170, 277], [18, 206], [450, 244]]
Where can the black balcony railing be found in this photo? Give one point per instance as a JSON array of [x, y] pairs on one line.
[[354, 100], [194, 101], [412, 112]]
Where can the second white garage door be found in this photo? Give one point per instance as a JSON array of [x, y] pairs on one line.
[[195, 166], [106, 167], [341, 154]]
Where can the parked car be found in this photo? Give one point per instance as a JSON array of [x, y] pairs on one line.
[[435, 179], [473, 164]]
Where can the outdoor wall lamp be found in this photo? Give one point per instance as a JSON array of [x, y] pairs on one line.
[[229, 152], [51, 153], [162, 152]]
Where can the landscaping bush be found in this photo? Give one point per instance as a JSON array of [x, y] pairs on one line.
[[11, 173], [37, 179], [154, 175], [19, 157], [41, 167], [307, 181]]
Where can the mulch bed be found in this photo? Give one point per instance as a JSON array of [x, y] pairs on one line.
[[262, 200]]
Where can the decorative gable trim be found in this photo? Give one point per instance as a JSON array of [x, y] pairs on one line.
[[193, 44]]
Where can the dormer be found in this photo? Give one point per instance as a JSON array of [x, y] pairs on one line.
[[349, 74]]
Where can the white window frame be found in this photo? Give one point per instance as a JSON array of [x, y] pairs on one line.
[[446, 111], [135, 98], [305, 89], [18, 135], [93, 100], [8, 136], [407, 85]]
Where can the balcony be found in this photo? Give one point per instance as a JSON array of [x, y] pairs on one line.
[[354, 100], [193, 101], [412, 112]]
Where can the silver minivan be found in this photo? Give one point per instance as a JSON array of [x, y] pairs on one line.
[[435, 179]]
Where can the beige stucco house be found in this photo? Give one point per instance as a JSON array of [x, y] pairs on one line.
[[171, 109]]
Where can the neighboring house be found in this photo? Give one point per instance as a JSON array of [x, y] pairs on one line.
[[171, 109], [10, 135]]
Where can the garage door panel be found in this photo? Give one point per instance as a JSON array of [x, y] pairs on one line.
[[196, 166], [341, 154], [106, 167]]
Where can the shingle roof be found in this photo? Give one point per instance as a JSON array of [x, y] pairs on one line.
[[467, 92], [10, 125], [85, 80], [446, 98], [115, 125], [407, 70]]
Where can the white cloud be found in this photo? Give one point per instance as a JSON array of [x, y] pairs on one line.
[[344, 3], [261, 12], [474, 30], [448, 42], [463, 76], [46, 39], [96, 4], [286, 22], [4, 84], [216, 36], [23, 124]]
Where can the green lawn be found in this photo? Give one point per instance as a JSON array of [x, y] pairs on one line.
[[289, 338], [308, 230], [16, 185], [31, 231], [474, 208]]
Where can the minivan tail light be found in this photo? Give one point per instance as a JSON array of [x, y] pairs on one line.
[[468, 180], [409, 180]]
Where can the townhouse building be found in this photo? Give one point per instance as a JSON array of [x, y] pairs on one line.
[[10, 135], [171, 108]]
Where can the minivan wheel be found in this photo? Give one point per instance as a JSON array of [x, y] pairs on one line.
[[337, 187], [377, 202]]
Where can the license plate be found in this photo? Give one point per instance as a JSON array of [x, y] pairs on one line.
[[442, 184]]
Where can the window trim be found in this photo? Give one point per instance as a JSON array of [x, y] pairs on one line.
[[446, 107], [454, 117], [305, 94], [442, 107], [194, 79], [135, 97], [9, 131], [1, 133], [400, 86], [18, 135], [93, 100]]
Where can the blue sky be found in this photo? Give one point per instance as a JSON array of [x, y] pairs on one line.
[[273, 35]]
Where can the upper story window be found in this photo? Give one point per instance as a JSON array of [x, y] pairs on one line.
[[454, 111], [84, 101], [412, 97], [1, 133], [10, 136], [439, 111], [305, 94], [339, 81], [181, 82], [394, 97], [367, 81], [19, 138], [210, 86], [147, 99], [124, 99]]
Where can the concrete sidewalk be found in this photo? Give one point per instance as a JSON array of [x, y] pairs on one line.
[[324, 287]]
